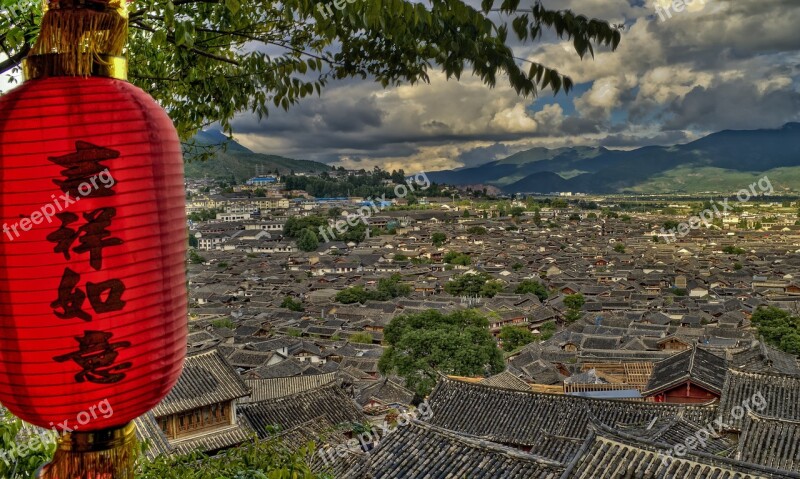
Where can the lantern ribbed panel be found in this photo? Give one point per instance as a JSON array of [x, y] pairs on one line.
[[145, 242]]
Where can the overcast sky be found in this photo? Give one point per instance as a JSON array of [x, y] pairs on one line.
[[717, 65]]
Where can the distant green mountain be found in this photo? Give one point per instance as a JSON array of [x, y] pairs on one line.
[[725, 161], [241, 163]]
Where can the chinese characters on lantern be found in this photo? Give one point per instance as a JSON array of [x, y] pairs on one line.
[[88, 233]]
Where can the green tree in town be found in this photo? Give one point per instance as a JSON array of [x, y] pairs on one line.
[[532, 286], [514, 337], [473, 284], [619, 248], [574, 303], [537, 218], [362, 337], [517, 211], [438, 238], [296, 225], [457, 258], [476, 230], [778, 328], [491, 288], [195, 258], [308, 241], [424, 344], [547, 330], [204, 214], [292, 304], [387, 288], [733, 250]]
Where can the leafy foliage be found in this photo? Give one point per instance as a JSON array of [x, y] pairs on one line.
[[457, 258], [547, 330], [268, 459], [778, 328], [292, 304], [295, 225], [515, 336], [362, 338], [574, 301], [387, 288], [476, 230], [732, 250], [195, 258], [308, 240], [205, 61], [531, 286], [424, 344], [22, 451], [473, 284], [204, 214], [438, 238]]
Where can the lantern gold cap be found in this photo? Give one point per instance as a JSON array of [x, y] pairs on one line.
[[48, 65]]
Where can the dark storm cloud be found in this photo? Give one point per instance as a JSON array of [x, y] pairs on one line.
[[734, 105], [733, 52]]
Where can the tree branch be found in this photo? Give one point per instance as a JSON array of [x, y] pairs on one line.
[[14, 60], [171, 39]]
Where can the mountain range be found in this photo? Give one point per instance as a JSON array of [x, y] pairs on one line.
[[234, 160], [725, 161]]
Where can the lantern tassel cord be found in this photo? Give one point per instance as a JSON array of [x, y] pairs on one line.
[[73, 38], [105, 454]]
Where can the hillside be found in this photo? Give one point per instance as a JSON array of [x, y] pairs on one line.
[[725, 161], [241, 163]]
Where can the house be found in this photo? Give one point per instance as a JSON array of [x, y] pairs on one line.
[[674, 343], [200, 412], [691, 376]]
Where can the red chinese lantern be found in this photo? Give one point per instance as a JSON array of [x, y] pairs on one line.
[[93, 305]]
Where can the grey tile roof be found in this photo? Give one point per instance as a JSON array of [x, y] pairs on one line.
[[518, 417], [264, 389], [673, 431], [780, 393], [770, 442], [421, 451], [506, 380], [290, 411], [153, 439], [697, 365], [206, 379], [617, 456], [215, 440], [387, 392]]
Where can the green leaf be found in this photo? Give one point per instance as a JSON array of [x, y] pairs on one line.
[[232, 5]]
